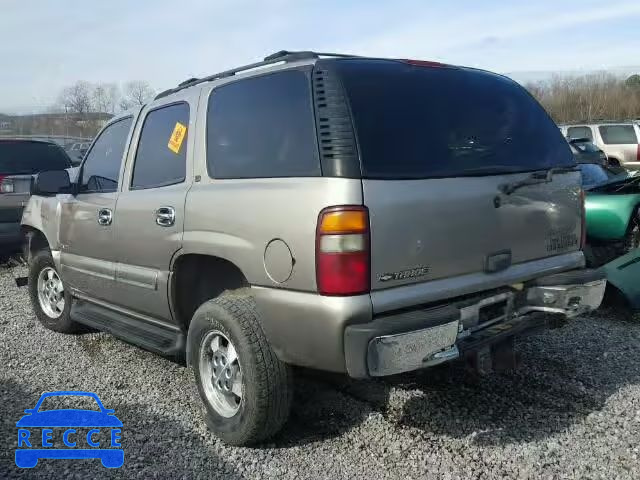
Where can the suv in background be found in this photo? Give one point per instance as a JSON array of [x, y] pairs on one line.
[[355, 215], [19, 161], [620, 141]]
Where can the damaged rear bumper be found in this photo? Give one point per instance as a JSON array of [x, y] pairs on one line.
[[424, 337]]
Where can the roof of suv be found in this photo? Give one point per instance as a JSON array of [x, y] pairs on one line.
[[276, 60]]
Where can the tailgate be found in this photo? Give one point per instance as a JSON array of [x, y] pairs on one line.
[[424, 230]]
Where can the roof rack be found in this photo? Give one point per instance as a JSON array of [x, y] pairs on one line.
[[281, 56]]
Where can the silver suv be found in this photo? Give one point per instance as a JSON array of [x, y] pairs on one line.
[[355, 215]]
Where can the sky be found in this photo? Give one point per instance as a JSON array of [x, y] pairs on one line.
[[47, 45]]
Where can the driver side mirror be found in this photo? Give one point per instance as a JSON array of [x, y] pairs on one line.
[[51, 182]]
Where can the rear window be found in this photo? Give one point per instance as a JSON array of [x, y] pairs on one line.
[[579, 132], [417, 122], [618, 134], [262, 127], [17, 157]]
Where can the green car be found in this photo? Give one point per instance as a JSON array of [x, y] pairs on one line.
[[613, 212]]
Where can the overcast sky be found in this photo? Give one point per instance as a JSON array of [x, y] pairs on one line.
[[48, 44]]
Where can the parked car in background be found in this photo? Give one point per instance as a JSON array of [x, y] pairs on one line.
[[612, 208], [77, 151], [19, 160], [294, 215], [584, 151], [620, 141]]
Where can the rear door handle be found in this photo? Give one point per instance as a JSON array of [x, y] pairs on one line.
[[166, 216], [105, 217]]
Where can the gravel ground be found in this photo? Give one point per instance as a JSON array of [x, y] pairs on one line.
[[571, 411]]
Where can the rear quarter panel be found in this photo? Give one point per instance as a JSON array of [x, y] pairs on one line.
[[237, 219]]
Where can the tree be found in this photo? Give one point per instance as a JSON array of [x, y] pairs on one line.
[[77, 98], [136, 94], [105, 97]]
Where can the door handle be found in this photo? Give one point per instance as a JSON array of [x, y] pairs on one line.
[[105, 216], [166, 216]]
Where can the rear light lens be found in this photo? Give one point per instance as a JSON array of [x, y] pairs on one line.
[[342, 251], [6, 185], [583, 214]]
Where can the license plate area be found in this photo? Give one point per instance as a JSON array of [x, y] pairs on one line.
[[487, 311]]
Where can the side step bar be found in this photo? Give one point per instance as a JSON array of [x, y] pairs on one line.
[[156, 338]]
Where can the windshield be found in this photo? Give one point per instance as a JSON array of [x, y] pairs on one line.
[[19, 157], [416, 122]]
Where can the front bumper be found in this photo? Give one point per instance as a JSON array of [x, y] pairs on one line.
[[410, 340]]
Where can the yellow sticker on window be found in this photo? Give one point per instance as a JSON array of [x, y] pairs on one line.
[[177, 136]]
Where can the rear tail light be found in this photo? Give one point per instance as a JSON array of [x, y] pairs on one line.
[[6, 185], [583, 219], [342, 251]]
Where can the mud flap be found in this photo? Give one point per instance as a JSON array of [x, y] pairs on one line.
[[624, 274]]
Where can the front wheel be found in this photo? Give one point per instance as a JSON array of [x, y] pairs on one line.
[[50, 300], [246, 389]]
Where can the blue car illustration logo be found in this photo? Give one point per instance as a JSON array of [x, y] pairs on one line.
[[42, 433]]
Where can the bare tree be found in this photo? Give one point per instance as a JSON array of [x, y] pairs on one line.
[[76, 98], [105, 97], [136, 93], [599, 96]]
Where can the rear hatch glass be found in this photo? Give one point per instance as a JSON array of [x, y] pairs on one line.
[[26, 158], [414, 122]]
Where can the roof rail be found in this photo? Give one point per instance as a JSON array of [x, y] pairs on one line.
[[281, 56]]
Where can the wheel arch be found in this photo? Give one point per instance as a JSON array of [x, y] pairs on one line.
[[198, 277]]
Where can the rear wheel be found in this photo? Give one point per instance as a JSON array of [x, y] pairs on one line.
[[50, 300], [246, 389]]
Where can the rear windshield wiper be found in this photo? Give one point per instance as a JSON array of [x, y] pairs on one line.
[[541, 176]]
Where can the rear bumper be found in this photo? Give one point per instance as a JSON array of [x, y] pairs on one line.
[[416, 339]]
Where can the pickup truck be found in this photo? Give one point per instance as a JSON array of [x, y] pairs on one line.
[[357, 215]]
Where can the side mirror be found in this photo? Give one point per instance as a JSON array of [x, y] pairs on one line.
[[51, 182]]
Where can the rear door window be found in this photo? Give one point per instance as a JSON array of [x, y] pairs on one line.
[[579, 132], [618, 134], [418, 122], [161, 157], [262, 127], [26, 157]]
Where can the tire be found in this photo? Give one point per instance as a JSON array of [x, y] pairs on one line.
[[264, 381], [40, 263]]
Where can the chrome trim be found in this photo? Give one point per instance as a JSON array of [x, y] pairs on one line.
[[391, 354]]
